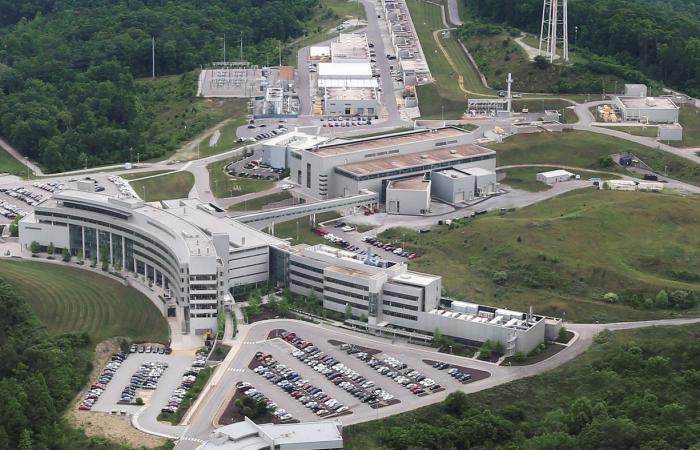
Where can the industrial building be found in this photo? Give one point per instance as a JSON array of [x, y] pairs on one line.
[[461, 184], [404, 40], [646, 109], [408, 196], [554, 176], [369, 164], [247, 435], [345, 82], [392, 297], [276, 150]]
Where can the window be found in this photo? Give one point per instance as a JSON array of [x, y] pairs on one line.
[[308, 175]]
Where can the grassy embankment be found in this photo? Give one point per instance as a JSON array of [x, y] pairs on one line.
[[564, 254], [444, 95], [178, 116], [164, 187], [223, 185], [633, 389], [72, 300], [650, 131], [137, 175], [689, 118], [9, 164], [259, 203], [585, 149]]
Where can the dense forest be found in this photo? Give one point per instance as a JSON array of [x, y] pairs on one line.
[[67, 67], [39, 376], [659, 38], [634, 390]]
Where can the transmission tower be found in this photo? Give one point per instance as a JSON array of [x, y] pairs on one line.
[[552, 18]]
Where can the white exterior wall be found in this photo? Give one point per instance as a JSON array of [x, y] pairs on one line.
[[43, 233], [248, 265], [452, 190], [407, 201], [275, 156], [341, 107], [480, 332]]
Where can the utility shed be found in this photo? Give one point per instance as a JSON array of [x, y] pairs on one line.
[[408, 196], [554, 176]]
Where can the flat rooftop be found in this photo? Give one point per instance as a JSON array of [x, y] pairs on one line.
[[351, 94], [345, 70], [390, 140], [418, 183], [415, 159], [452, 173], [350, 272], [287, 73], [477, 171], [648, 102], [415, 278]]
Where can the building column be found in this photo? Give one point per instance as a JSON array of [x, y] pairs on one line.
[[136, 267], [97, 247], [123, 253], [111, 252], [82, 230]]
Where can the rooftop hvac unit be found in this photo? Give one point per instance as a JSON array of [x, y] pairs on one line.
[[650, 101]]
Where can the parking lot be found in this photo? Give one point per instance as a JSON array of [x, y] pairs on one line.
[[317, 370], [155, 399]]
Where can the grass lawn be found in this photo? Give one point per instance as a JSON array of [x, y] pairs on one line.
[[689, 118], [136, 175], [540, 105], [563, 254], [164, 187], [9, 164], [227, 137], [524, 178], [288, 230], [584, 149], [177, 115], [72, 300], [223, 185], [259, 203], [569, 116], [613, 381], [650, 131]]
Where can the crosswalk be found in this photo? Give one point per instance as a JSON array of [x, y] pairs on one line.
[[192, 439], [235, 369], [254, 342]]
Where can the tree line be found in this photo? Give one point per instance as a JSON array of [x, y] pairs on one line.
[[659, 38], [68, 94], [39, 376]]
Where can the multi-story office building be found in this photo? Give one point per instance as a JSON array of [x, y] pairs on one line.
[[193, 255]]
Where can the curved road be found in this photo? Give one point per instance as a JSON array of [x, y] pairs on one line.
[[215, 396]]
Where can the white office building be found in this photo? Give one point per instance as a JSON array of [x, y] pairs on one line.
[[276, 150], [187, 249]]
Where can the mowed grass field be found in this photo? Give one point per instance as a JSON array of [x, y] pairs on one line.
[[72, 300], [584, 149], [650, 131], [9, 164], [259, 203], [562, 255], [223, 185], [164, 187], [525, 178], [689, 118]]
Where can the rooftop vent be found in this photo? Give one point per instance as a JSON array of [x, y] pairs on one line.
[[423, 156], [453, 152]]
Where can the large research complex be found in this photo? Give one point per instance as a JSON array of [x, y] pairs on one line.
[[198, 258]]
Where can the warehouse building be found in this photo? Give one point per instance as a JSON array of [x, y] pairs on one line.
[[461, 184], [393, 296], [646, 109], [344, 169], [554, 176], [408, 196]]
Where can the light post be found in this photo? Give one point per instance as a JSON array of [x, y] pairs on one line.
[[144, 193]]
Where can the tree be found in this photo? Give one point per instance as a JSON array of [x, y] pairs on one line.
[[35, 247], [254, 307], [486, 350], [541, 62], [500, 277], [139, 401], [611, 297], [80, 256], [681, 299], [348, 311], [65, 254], [363, 317], [438, 338], [50, 249], [661, 299], [25, 440]]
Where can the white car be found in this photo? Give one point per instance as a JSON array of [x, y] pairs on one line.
[[348, 228], [286, 187]]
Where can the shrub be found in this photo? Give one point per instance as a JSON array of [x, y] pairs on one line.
[[611, 297], [500, 277], [518, 356], [139, 401]]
